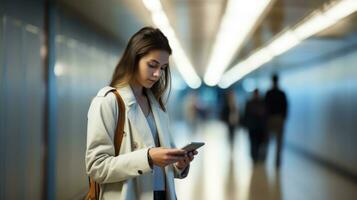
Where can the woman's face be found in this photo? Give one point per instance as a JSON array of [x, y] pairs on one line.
[[151, 67]]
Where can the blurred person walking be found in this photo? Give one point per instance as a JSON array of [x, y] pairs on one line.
[[190, 108], [277, 108], [255, 121], [230, 114]]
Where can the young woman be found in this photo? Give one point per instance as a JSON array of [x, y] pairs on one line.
[[148, 161]]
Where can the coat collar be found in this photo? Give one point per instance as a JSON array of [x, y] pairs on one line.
[[128, 95], [138, 119]]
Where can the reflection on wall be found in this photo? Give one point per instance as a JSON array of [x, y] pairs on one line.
[[21, 100], [323, 109], [84, 64]]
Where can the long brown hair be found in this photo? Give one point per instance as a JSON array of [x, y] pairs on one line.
[[139, 45]]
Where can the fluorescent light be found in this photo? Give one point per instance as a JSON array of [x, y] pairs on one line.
[[260, 57], [316, 22], [283, 43], [341, 9], [160, 19], [238, 71], [182, 62], [237, 23], [320, 20], [233, 74], [187, 73], [152, 5], [314, 25]]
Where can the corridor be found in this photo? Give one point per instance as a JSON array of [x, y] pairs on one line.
[[257, 66], [219, 173]]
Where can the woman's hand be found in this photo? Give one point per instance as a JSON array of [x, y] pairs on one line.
[[182, 164], [163, 156]]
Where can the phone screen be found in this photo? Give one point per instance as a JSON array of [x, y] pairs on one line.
[[193, 146]]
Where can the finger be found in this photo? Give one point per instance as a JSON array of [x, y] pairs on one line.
[[180, 166], [191, 157], [183, 163], [176, 152], [172, 161], [190, 154], [175, 158]]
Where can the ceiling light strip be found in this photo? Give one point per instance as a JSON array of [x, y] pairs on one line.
[[182, 62], [239, 20], [314, 23]]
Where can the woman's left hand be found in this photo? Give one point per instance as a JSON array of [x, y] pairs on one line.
[[182, 164]]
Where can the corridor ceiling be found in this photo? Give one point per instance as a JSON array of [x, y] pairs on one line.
[[196, 23]]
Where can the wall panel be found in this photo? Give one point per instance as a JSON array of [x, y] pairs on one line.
[[22, 98], [84, 62], [323, 109]]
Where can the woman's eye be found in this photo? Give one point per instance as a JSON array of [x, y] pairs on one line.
[[151, 65]]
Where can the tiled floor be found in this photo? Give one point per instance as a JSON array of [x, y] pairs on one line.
[[219, 173]]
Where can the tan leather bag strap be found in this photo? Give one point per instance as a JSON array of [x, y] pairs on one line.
[[94, 189], [119, 132]]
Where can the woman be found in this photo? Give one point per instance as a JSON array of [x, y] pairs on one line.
[[148, 161]]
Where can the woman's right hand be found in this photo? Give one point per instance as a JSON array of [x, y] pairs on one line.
[[163, 156]]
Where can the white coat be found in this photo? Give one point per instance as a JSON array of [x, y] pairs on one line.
[[127, 176]]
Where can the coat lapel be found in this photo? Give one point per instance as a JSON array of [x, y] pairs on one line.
[[161, 121], [136, 116]]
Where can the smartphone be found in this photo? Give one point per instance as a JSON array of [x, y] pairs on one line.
[[193, 146]]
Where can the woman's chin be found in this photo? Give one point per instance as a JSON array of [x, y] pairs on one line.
[[148, 86]]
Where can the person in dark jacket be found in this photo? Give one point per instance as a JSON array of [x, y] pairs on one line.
[[277, 108], [255, 118]]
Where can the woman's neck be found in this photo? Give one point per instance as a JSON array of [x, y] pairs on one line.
[[137, 89]]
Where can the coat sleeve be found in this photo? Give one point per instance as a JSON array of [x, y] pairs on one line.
[[101, 163]]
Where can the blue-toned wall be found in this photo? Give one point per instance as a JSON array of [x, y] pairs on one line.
[[22, 90], [323, 109], [84, 64]]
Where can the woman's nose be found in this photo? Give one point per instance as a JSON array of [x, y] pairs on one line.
[[157, 72]]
